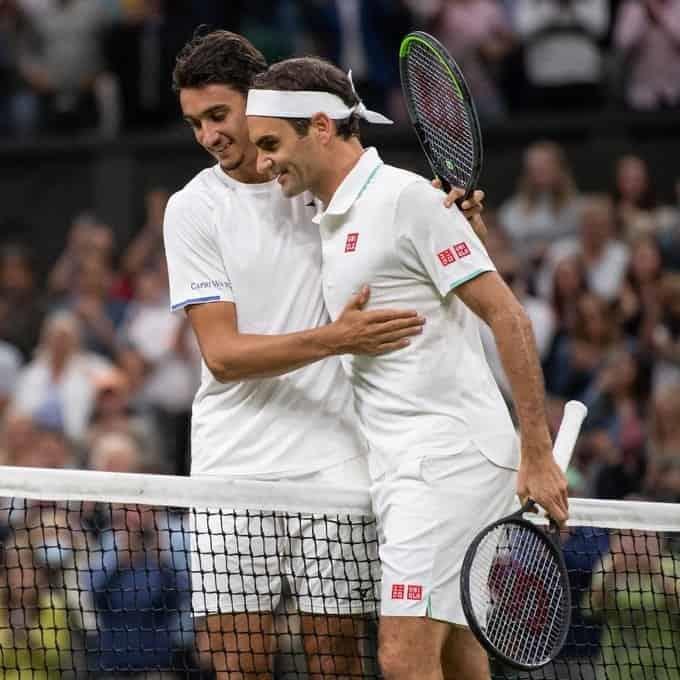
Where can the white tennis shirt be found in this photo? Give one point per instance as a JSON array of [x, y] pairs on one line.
[[389, 228], [248, 244]]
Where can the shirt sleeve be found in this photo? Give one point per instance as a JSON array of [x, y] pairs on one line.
[[437, 241], [196, 270]]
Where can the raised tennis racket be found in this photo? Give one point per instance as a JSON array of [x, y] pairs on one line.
[[442, 111], [514, 582]]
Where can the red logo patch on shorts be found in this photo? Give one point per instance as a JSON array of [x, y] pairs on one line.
[[446, 257], [462, 249], [414, 592], [351, 242], [398, 591]]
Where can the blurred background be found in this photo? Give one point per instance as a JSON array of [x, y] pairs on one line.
[[579, 101]]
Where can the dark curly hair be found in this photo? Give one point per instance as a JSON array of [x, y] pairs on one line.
[[218, 57], [314, 75]]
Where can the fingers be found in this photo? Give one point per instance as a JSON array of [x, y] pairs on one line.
[[385, 315], [358, 300], [437, 183], [453, 196]]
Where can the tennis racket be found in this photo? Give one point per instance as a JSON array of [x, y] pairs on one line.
[[441, 111], [514, 582]]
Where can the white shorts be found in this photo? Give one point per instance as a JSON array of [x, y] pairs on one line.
[[330, 564], [428, 511]]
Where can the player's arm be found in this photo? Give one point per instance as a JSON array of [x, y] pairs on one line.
[[231, 355], [540, 478]]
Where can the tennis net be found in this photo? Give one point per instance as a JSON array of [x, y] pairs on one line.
[[111, 576]]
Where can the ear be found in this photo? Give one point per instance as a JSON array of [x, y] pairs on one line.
[[323, 127]]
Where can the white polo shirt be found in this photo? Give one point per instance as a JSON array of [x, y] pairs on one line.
[[388, 228], [248, 244]]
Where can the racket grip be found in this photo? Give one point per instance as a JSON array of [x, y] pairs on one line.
[[572, 419]]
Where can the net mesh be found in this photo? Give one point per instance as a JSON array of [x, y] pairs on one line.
[[101, 578], [443, 120]]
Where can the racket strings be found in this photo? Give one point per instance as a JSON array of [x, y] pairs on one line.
[[442, 115], [517, 594]]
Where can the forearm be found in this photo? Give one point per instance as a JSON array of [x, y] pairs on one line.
[[517, 349], [248, 356]]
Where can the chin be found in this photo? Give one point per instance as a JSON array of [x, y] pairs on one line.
[[228, 164]]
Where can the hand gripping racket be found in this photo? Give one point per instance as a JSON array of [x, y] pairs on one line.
[[441, 110], [514, 582]]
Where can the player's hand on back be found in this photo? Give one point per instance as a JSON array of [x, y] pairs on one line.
[[541, 479], [472, 207], [372, 332]]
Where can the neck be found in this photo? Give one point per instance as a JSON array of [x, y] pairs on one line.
[[344, 155]]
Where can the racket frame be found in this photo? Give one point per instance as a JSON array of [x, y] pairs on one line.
[[549, 538], [461, 86]]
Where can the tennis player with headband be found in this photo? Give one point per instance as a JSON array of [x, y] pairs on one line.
[[274, 402], [443, 452]]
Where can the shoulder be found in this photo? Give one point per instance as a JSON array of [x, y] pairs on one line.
[[403, 186], [195, 204]]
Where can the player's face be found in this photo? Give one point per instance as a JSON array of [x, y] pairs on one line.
[[282, 152], [217, 116]]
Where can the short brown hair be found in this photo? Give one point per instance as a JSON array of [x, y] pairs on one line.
[[312, 74], [217, 58]]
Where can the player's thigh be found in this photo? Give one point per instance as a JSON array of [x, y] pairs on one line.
[[411, 646], [429, 509], [335, 559], [235, 562], [238, 643], [463, 657]]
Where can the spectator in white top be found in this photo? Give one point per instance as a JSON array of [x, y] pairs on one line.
[[647, 33], [10, 365], [605, 257], [563, 58], [61, 377], [545, 205]]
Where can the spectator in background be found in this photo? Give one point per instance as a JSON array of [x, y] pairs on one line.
[[563, 56], [616, 400], [10, 365], [569, 285], [634, 197], [87, 237], [19, 111], [100, 314], [68, 70], [639, 298], [479, 35], [35, 640], [635, 592], [545, 206], [22, 304], [114, 414], [647, 34], [662, 479], [165, 346], [363, 35], [146, 249], [577, 356], [666, 335], [61, 379], [604, 257]]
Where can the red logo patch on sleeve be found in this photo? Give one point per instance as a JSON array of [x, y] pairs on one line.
[[398, 591], [462, 249], [446, 257], [414, 592], [351, 242]]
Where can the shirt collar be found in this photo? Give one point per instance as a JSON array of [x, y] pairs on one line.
[[353, 185]]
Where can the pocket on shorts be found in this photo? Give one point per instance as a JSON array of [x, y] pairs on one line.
[[434, 469]]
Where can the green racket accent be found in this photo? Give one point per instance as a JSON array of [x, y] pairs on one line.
[[406, 46]]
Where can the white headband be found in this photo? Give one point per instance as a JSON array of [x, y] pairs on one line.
[[304, 104]]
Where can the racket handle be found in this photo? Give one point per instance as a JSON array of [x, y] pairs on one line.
[[572, 419]]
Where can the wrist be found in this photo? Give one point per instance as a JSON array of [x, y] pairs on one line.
[[327, 340]]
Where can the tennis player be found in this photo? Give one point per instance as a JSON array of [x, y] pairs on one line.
[[443, 453], [244, 263]]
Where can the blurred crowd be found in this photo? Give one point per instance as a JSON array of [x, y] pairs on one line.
[[104, 65]]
